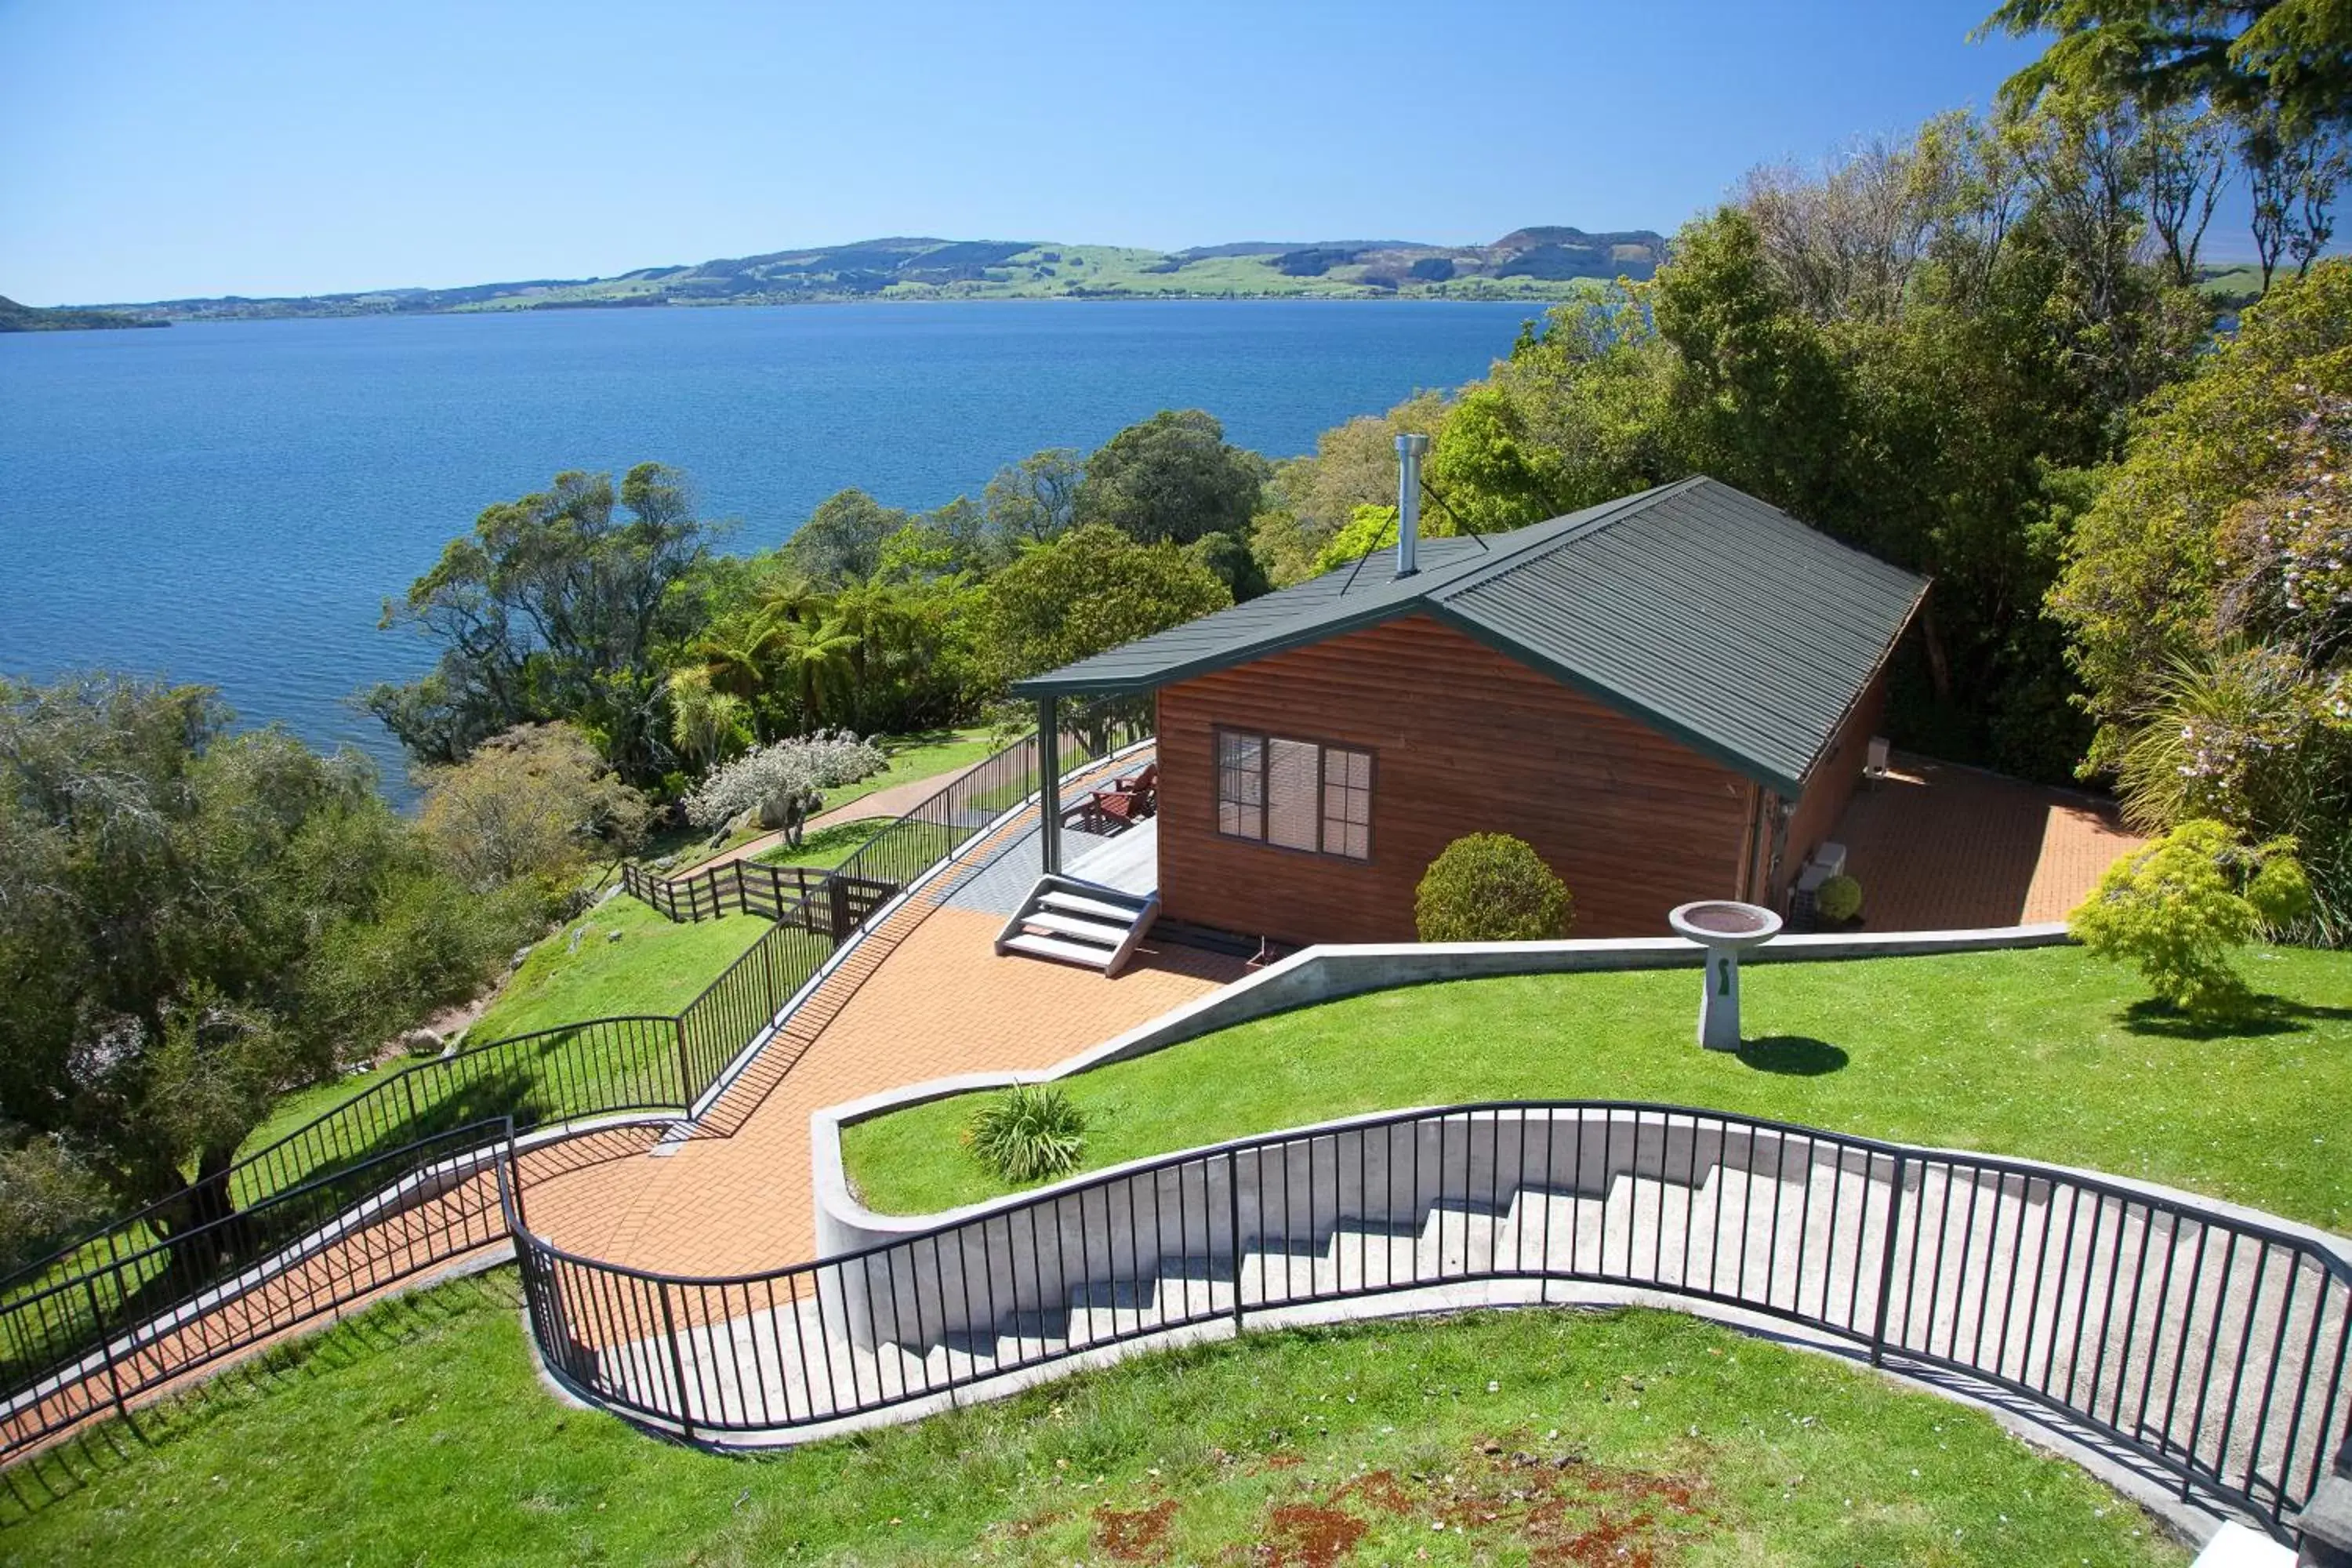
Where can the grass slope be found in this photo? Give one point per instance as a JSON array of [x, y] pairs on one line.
[[417, 1433], [655, 966], [2040, 1053], [828, 847]]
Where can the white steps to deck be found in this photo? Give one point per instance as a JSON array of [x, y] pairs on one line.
[[1078, 923]]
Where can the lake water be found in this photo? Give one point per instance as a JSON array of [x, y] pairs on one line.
[[231, 503]]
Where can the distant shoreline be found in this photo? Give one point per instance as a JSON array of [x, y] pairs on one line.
[[1529, 266]]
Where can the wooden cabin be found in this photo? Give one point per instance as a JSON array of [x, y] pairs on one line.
[[1670, 696]]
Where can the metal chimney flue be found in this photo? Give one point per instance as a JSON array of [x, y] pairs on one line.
[[1409, 451]]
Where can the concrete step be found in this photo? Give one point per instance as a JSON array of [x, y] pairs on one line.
[[1076, 928], [1106, 905], [1085, 954]]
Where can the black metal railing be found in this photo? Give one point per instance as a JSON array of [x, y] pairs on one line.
[[159, 1313], [835, 903], [2212, 1346], [53, 1312], [58, 1311]]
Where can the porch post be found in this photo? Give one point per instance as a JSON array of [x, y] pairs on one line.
[[1049, 783]]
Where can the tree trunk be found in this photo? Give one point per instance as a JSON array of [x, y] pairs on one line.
[[1939, 669]]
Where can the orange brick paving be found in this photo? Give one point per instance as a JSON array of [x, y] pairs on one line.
[[1939, 845], [944, 1003]]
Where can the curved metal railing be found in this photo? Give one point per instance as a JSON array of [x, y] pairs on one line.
[[116, 1313], [2211, 1345]]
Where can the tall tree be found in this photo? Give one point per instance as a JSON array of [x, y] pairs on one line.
[[1172, 477], [1035, 501], [554, 608], [2185, 161], [841, 543], [194, 922], [1092, 589]]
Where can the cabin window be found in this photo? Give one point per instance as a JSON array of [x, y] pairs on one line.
[[1294, 794]]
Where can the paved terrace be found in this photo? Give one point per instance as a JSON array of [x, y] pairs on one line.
[[923, 995], [1940, 846]]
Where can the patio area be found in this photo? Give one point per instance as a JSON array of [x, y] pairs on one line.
[[922, 996], [1939, 845]]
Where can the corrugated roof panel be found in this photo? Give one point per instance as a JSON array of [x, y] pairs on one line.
[[1699, 609]]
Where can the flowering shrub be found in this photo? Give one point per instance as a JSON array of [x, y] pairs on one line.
[[2176, 909], [784, 782]]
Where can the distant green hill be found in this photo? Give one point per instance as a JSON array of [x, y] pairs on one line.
[[1530, 264], [15, 318]]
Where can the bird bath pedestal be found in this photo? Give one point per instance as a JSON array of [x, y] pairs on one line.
[[1723, 927]]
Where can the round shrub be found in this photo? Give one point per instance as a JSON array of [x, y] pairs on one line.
[[1491, 886], [1031, 1132], [1838, 900]]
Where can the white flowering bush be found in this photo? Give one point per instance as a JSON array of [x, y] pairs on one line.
[[784, 782]]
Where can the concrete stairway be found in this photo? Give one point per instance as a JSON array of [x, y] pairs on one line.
[[1083, 923], [2049, 1286]]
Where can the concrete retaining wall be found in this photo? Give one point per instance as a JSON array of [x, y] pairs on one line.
[[1327, 974]]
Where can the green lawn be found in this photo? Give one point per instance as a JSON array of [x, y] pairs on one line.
[[655, 966], [828, 847], [418, 1434], [2040, 1053]]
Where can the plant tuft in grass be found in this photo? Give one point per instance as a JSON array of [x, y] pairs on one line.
[[1031, 1132]]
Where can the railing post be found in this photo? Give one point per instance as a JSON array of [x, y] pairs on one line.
[[1049, 785], [685, 1077], [676, 1362], [1886, 1262], [1233, 1230], [105, 1344]]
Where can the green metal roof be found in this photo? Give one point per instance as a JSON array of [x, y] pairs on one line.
[[1694, 608]]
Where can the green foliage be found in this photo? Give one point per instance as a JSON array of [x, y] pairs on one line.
[[531, 805], [1035, 501], [194, 922], [1354, 466], [554, 608], [1173, 477], [842, 541], [2291, 54], [1092, 589], [2205, 591], [1491, 886], [1838, 900], [47, 1198], [2179, 909], [1228, 556], [1031, 1132]]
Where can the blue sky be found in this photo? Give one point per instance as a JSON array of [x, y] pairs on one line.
[[167, 149]]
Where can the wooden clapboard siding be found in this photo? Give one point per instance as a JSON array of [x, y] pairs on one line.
[[1464, 739], [1829, 786]]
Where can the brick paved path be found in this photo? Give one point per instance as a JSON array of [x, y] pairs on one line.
[[922, 996]]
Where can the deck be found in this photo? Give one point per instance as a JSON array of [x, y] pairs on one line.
[[1937, 845]]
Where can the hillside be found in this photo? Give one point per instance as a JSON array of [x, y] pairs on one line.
[[15, 318], [1527, 264]]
